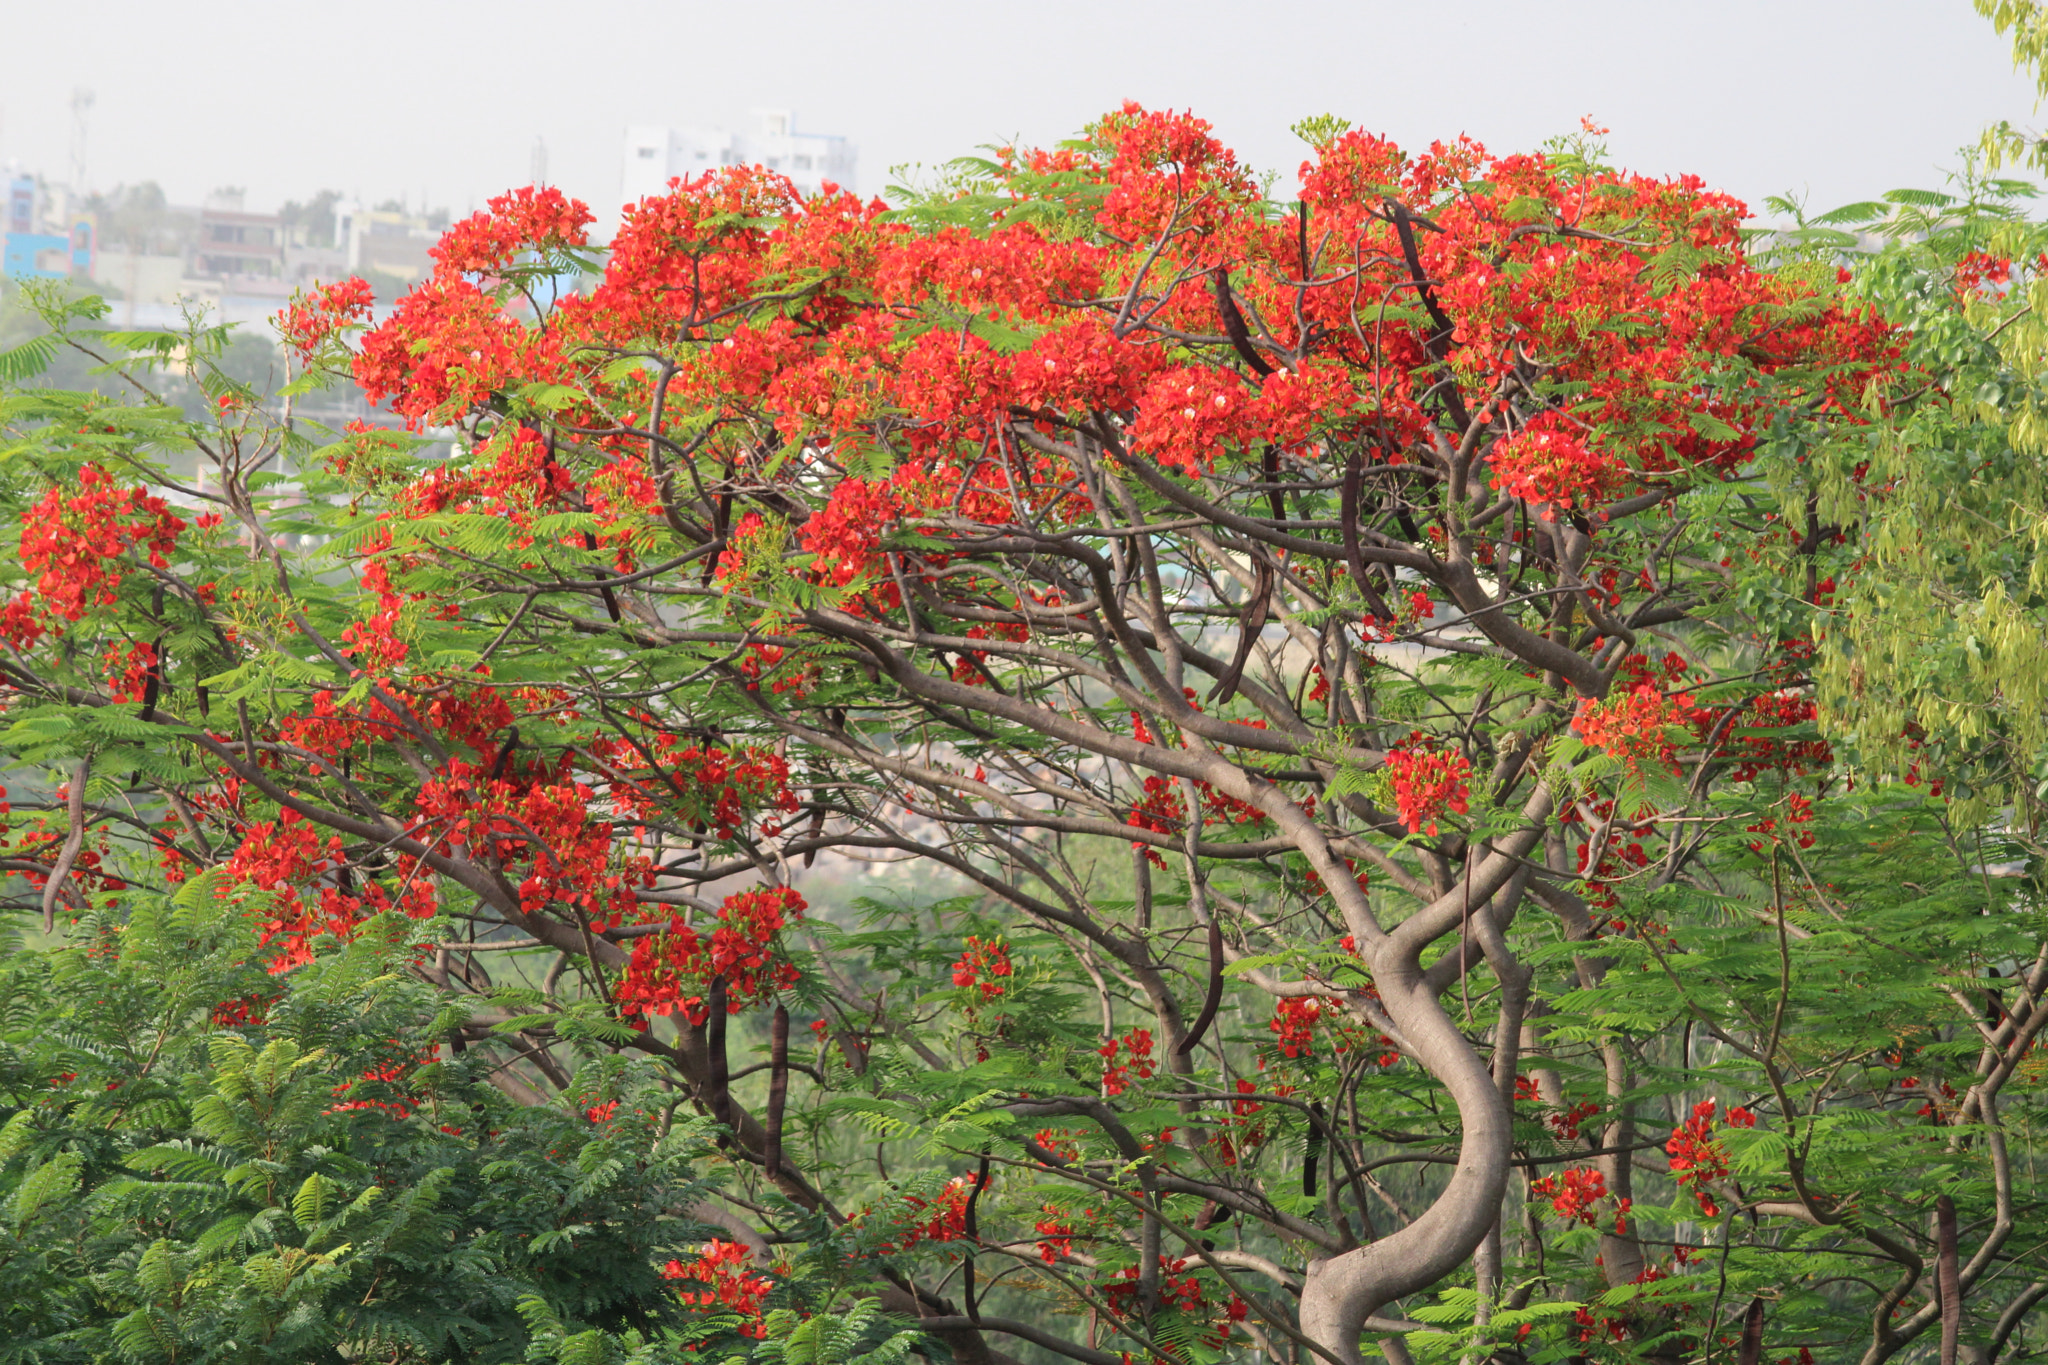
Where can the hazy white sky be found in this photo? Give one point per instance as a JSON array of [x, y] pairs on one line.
[[442, 99]]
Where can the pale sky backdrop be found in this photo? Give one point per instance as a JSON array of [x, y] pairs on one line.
[[441, 100]]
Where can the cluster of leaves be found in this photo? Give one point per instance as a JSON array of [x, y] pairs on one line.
[[319, 1186]]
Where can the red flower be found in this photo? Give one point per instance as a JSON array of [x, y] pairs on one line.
[[1697, 1158], [75, 540], [1427, 781], [723, 1269], [1136, 1048], [315, 316], [1634, 726], [916, 1219], [446, 348], [521, 221], [674, 969], [1055, 1233], [1574, 1193], [1549, 463], [980, 966]]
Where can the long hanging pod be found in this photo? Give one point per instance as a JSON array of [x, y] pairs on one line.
[[971, 1225], [778, 1088], [1751, 1351], [1214, 998], [717, 1082], [1312, 1156]]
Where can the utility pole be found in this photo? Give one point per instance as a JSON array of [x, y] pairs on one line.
[[539, 165], [81, 106]]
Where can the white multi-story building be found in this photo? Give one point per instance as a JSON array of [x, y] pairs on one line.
[[656, 155]]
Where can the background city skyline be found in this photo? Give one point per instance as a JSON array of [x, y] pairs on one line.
[[440, 106]]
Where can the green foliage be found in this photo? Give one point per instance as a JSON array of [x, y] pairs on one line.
[[856, 1335], [235, 1127], [174, 1189], [1320, 129], [1932, 653]]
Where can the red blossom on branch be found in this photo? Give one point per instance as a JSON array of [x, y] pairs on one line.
[[323, 313], [1428, 781], [981, 966], [1136, 1049], [1635, 727], [674, 969], [724, 1269], [74, 540], [1553, 466]]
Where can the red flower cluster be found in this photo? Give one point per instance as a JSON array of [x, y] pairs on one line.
[[513, 475], [1294, 1021], [914, 1218], [1981, 272], [673, 970], [74, 540], [1055, 1233], [981, 967], [376, 642], [1697, 1158], [1635, 726], [1551, 465], [1296, 1017], [391, 1076], [707, 785], [1164, 809], [129, 672], [1620, 850], [1564, 1122], [1428, 781], [248, 1011], [1798, 819], [287, 858], [1136, 1048], [446, 348], [1242, 1129], [729, 783], [1784, 709], [327, 311], [1574, 1193], [1180, 1291], [516, 224], [449, 345], [545, 826], [724, 1269], [1060, 1142]]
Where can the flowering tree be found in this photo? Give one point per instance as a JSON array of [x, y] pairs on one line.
[[1347, 655]]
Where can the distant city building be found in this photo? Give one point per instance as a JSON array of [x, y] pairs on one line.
[[386, 241], [237, 247], [154, 261], [48, 255], [230, 262], [656, 155], [42, 241], [21, 203]]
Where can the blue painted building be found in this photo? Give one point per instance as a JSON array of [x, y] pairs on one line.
[[26, 254], [21, 204]]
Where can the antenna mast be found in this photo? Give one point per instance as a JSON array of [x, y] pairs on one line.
[[81, 106]]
